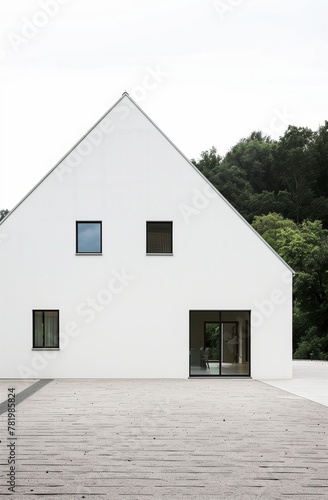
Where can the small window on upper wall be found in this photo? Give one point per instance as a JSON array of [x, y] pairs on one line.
[[88, 237], [159, 238], [46, 329]]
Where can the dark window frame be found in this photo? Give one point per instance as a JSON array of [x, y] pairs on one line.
[[220, 312], [33, 332], [77, 252], [148, 223]]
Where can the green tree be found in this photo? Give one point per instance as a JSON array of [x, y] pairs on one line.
[[233, 185], [305, 248], [254, 156], [229, 180], [269, 227], [288, 176], [209, 163], [321, 156], [295, 168], [3, 213], [268, 201], [319, 206]]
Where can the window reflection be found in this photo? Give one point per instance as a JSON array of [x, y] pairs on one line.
[[88, 237], [219, 343]]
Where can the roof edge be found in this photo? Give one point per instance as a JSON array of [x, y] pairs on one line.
[[125, 94], [213, 187]]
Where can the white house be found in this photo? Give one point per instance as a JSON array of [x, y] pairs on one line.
[[124, 261]]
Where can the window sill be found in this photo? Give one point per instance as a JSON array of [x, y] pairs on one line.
[[160, 254], [86, 253], [45, 349]]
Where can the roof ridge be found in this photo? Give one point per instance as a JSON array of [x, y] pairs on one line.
[[125, 94]]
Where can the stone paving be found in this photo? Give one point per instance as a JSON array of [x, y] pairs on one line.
[[310, 380], [163, 439]]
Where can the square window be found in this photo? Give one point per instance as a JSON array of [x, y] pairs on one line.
[[88, 237], [159, 238], [46, 329]]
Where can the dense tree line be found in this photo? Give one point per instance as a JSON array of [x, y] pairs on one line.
[[260, 175], [305, 247], [281, 188]]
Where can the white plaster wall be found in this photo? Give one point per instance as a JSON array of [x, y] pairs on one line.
[[129, 174]]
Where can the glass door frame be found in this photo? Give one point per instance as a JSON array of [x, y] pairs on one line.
[[221, 321]]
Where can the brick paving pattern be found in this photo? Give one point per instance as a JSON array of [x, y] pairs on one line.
[[166, 439]]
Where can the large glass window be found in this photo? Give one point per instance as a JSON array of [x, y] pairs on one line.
[[46, 328], [159, 238], [219, 343], [88, 237]]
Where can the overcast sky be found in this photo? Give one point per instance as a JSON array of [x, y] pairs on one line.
[[208, 72]]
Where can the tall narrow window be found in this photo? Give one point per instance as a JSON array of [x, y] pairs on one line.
[[46, 328], [88, 237], [159, 238]]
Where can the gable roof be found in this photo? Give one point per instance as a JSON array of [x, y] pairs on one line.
[[126, 95]]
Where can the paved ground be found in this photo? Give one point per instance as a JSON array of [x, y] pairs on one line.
[[165, 439], [310, 380]]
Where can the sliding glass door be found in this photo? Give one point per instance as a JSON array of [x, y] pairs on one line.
[[219, 343]]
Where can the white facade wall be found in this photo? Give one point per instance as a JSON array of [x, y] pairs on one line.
[[126, 173]]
